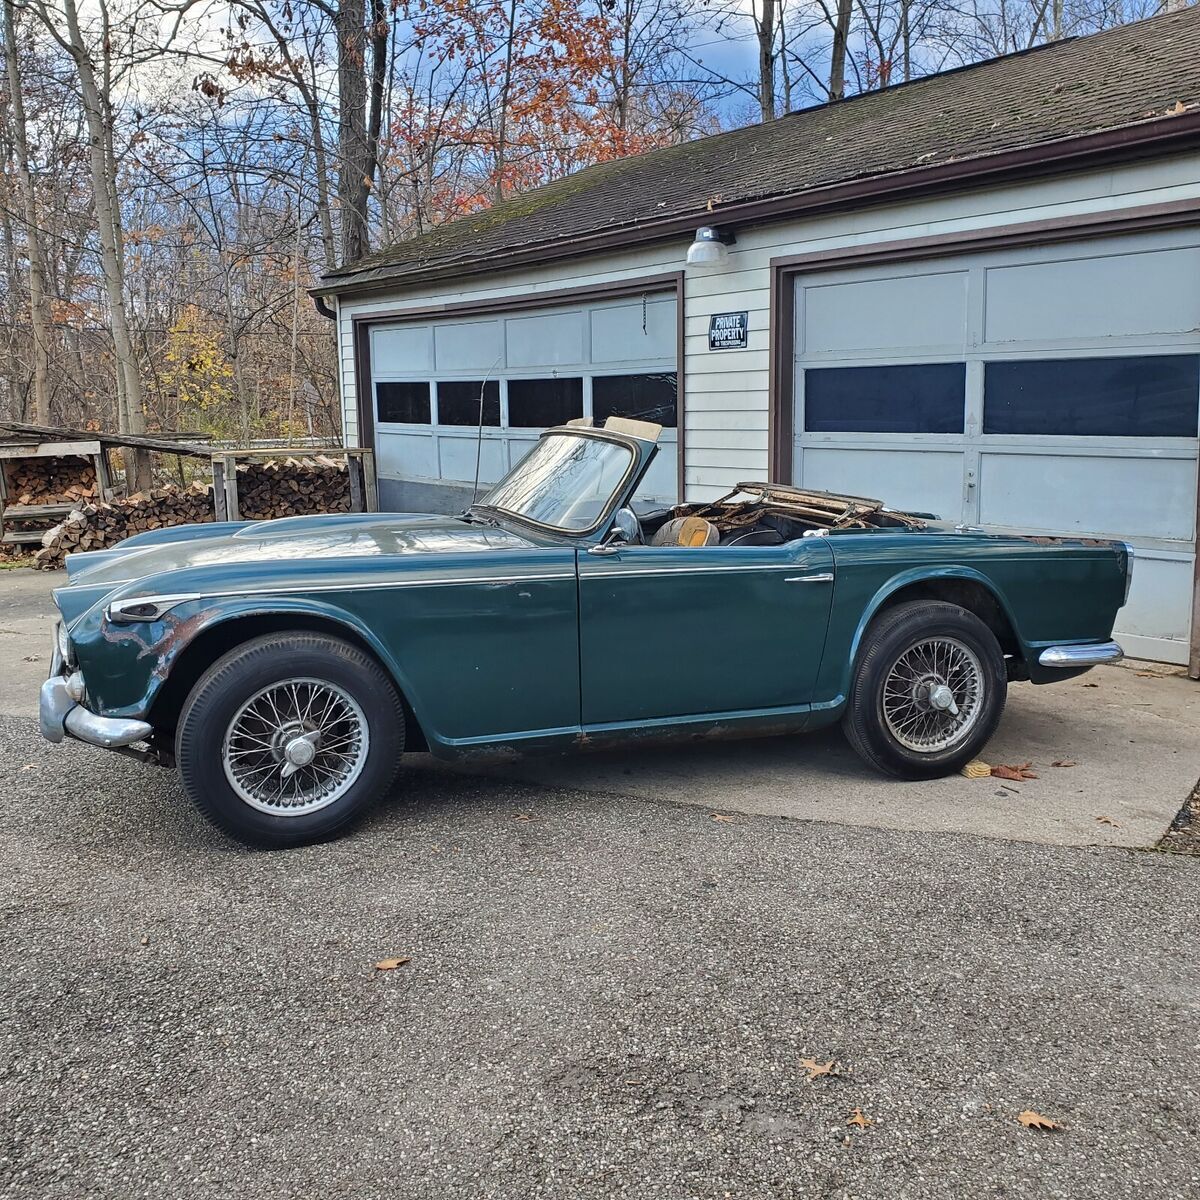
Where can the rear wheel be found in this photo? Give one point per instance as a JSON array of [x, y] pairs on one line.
[[289, 738], [928, 691]]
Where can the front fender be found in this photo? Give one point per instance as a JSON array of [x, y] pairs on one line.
[[126, 666]]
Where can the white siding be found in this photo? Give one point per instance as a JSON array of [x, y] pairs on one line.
[[725, 392]]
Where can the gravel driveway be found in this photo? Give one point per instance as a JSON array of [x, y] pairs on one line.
[[608, 998]]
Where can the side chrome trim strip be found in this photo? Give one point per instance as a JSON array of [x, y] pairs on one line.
[[628, 572], [1093, 655], [162, 603]]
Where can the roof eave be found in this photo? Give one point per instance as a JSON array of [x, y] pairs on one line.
[[1140, 139]]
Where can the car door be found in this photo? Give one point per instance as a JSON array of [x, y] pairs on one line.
[[676, 631]]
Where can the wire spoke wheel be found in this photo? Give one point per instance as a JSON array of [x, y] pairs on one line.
[[295, 747], [933, 694]]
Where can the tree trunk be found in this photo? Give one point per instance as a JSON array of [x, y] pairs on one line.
[[39, 309], [841, 35], [359, 122], [765, 30], [506, 87], [108, 221]]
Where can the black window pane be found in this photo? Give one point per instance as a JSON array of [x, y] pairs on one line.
[[458, 402], [402, 403], [642, 397], [925, 398], [1150, 396], [538, 403]]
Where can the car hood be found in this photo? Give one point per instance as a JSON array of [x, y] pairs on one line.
[[200, 556]]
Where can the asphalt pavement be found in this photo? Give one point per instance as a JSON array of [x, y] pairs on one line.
[[603, 997]]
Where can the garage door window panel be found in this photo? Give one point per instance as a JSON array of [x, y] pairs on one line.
[[648, 397], [1148, 396], [910, 398], [541, 403], [458, 402], [398, 403]]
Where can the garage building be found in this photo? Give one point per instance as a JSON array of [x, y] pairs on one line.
[[975, 295]]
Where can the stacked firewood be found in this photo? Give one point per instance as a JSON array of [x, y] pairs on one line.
[[99, 526], [265, 491], [292, 488], [61, 480]]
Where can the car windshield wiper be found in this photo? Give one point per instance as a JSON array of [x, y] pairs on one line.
[[476, 515]]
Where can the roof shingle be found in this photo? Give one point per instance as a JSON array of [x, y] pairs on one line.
[[1134, 74]]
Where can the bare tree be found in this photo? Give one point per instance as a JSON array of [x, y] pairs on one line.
[[39, 314]]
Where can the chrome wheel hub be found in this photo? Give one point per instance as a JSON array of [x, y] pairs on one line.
[[295, 747], [933, 695]]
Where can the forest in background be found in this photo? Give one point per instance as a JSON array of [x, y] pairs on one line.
[[174, 176]]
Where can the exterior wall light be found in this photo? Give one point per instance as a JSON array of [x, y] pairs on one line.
[[710, 249]]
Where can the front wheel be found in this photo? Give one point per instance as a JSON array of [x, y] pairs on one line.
[[289, 738], [928, 691]]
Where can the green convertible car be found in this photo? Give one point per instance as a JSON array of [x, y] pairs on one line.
[[286, 666]]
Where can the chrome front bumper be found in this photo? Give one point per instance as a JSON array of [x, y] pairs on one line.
[[61, 712], [1092, 655]]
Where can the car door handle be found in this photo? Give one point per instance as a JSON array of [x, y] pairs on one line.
[[823, 577]]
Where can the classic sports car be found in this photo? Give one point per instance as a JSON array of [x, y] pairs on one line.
[[286, 666]]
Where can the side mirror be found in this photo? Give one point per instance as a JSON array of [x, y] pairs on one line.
[[625, 525], [625, 531]]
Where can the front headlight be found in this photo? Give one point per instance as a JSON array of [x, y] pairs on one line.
[[65, 650]]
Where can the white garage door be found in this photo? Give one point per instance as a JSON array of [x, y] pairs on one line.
[[1054, 390], [533, 369]]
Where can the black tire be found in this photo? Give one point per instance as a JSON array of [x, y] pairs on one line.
[[871, 728], [243, 674]]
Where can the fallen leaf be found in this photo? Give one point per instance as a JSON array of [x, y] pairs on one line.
[[390, 964], [1108, 821], [1148, 675], [1064, 762], [145, 939], [1035, 1120], [816, 1070], [1017, 774], [977, 769], [1091, 685], [721, 817], [522, 816], [1176, 109], [857, 1118], [29, 767]]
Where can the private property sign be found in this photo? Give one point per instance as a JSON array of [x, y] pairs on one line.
[[727, 331]]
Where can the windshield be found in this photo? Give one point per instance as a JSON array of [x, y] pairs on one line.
[[565, 481]]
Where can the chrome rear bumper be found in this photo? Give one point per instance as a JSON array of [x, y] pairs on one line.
[[1093, 655]]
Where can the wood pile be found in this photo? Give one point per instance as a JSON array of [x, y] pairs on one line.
[[292, 488], [99, 526], [60, 480], [266, 491]]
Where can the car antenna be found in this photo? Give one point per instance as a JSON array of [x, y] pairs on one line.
[[479, 431]]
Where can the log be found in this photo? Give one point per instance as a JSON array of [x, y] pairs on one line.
[[265, 491]]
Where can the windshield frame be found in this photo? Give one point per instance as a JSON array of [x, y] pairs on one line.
[[638, 457]]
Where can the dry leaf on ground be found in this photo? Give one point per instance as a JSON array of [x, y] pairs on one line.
[[1035, 1120], [857, 1117], [1091, 685], [1005, 771], [1064, 762], [522, 816], [721, 817], [816, 1070], [390, 964], [1109, 821]]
